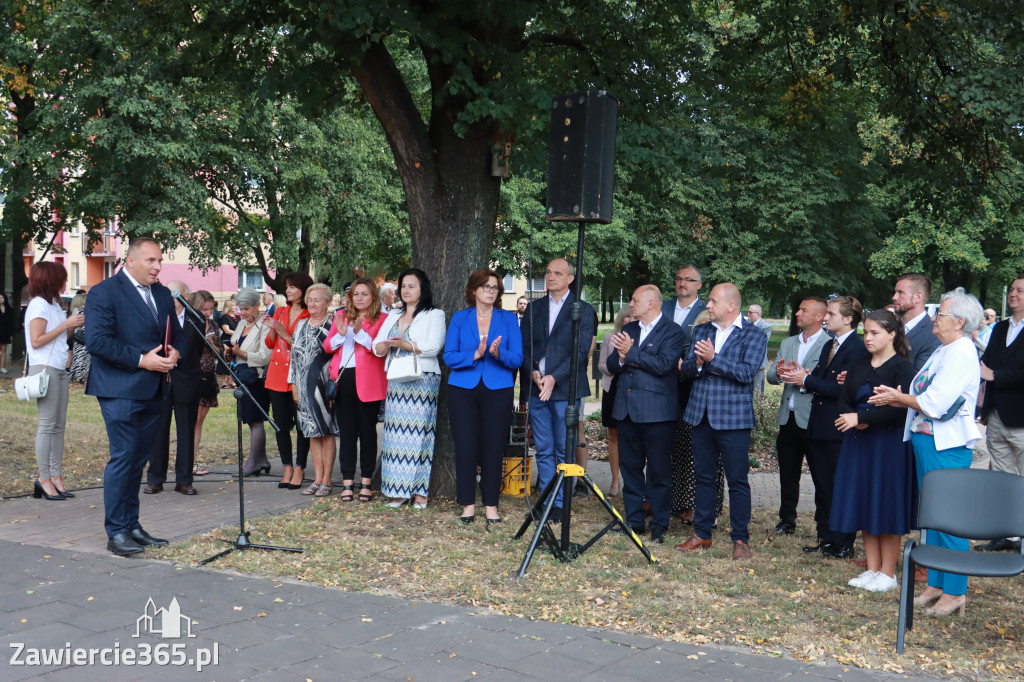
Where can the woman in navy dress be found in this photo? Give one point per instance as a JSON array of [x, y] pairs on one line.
[[875, 489]]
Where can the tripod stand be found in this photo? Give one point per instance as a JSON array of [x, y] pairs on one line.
[[563, 549], [242, 542]]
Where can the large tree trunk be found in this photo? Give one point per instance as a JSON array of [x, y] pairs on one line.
[[451, 197]]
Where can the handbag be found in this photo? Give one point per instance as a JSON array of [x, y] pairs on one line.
[[34, 386], [250, 376], [406, 368], [208, 387], [331, 390]]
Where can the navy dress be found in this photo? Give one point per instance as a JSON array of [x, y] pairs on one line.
[[875, 484]]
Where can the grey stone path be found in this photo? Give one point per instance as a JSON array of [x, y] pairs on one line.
[[283, 631]]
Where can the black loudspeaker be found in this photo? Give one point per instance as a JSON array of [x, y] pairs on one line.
[[581, 157]]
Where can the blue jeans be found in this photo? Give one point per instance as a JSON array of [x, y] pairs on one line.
[[547, 423], [928, 458]]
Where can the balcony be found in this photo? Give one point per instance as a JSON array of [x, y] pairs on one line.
[[105, 245]]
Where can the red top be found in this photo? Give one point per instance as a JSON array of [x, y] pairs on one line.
[[371, 379], [281, 358]]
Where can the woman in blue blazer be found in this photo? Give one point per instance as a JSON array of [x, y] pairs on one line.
[[483, 349]]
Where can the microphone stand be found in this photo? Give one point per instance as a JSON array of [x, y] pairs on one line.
[[242, 391]]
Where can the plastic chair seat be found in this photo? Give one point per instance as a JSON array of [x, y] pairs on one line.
[[984, 565]]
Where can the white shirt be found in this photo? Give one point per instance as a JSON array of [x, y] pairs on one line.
[[1014, 329], [645, 329], [722, 334], [553, 309], [140, 289], [55, 353], [801, 355], [907, 326], [181, 318], [679, 314], [349, 341]]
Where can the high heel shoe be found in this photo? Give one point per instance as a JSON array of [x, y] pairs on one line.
[[958, 604], [466, 520], [301, 474], [927, 600], [64, 493], [395, 504], [39, 492], [286, 478], [490, 522]]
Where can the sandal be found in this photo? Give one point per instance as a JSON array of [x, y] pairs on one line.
[[311, 490], [324, 490], [365, 497], [199, 471], [346, 492]]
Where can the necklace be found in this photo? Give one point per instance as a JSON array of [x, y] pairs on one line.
[[317, 324]]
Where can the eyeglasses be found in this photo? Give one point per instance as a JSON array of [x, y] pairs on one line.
[[944, 315], [489, 287], [686, 279]]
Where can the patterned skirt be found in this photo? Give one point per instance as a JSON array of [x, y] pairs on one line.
[[407, 451]]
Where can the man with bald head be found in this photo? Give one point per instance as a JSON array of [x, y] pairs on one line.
[[547, 358], [183, 404], [724, 358], [645, 359]]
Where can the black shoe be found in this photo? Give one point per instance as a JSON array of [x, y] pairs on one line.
[[39, 492], [143, 538], [836, 551], [556, 515], [491, 522], [123, 545], [466, 520], [811, 549], [658, 537], [785, 528], [581, 491], [1000, 545]]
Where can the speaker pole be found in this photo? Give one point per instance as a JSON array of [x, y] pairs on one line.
[[572, 411]]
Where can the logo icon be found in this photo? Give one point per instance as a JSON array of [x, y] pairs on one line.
[[167, 623]]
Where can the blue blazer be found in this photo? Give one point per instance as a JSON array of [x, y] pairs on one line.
[[723, 389], [668, 309], [646, 390], [464, 338], [121, 329], [556, 346], [922, 342]]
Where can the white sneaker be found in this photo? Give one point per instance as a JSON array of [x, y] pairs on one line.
[[862, 579], [882, 583]]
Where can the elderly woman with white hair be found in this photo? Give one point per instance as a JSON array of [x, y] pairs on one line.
[[940, 424], [248, 347]]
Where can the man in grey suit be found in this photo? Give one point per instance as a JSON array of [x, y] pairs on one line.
[[754, 315], [684, 310], [793, 443], [912, 292]]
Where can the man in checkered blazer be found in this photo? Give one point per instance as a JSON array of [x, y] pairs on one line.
[[725, 355]]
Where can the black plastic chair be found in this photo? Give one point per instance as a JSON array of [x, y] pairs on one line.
[[976, 504]]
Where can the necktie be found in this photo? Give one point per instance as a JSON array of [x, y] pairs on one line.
[[832, 353], [149, 301]]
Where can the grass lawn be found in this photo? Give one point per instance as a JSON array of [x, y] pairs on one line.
[[782, 602]]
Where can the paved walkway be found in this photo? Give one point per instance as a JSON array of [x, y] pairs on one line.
[[61, 590]]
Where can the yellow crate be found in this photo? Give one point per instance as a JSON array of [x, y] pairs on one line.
[[514, 479]]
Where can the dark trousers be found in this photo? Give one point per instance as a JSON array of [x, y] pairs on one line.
[[357, 421], [480, 418], [792, 445], [650, 446], [733, 446], [185, 417], [283, 405], [822, 463], [130, 428]]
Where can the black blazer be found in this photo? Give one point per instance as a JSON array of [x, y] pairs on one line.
[[822, 382], [185, 377], [896, 371], [647, 379], [554, 346], [1005, 394]]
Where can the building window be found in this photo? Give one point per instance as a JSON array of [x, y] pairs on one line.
[[508, 282], [250, 278], [538, 285], [74, 276]]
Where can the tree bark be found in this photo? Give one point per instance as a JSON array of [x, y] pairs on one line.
[[451, 196]]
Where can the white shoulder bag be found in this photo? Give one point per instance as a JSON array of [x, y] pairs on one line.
[[406, 368], [34, 386]]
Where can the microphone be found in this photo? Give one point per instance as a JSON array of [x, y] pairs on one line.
[[176, 295]]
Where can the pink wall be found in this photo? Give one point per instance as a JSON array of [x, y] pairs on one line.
[[223, 280]]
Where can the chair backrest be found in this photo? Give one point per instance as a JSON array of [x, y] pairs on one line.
[[972, 503]]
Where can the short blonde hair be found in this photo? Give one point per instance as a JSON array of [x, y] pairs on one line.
[[320, 286]]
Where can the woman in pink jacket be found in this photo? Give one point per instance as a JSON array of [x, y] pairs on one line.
[[362, 384]]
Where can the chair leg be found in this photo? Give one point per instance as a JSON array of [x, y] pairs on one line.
[[906, 616]]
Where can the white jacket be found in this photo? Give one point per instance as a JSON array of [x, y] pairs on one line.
[[427, 331], [955, 372]]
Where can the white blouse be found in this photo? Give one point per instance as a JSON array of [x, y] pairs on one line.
[[953, 370]]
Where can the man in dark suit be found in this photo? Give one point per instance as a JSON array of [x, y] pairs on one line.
[[842, 318], [184, 405], [646, 361], [1002, 369], [128, 315], [547, 357], [912, 292], [684, 310], [724, 358]]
